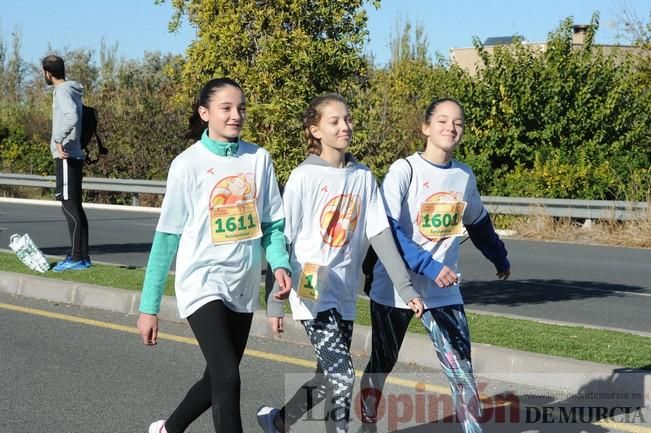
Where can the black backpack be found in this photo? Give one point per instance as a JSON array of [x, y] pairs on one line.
[[89, 120], [371, 256]]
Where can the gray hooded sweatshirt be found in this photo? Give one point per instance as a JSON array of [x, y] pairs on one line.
[[66, 119]]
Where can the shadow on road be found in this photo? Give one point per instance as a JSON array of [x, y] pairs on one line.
[[538, 291]]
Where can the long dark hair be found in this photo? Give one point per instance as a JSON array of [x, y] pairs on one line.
[[435, 103], [312, 116], [196, 123]]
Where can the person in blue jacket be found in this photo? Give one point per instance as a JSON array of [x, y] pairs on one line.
[[430, 198]]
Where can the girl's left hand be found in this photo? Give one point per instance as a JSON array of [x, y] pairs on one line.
[[416, 306], [504, 275], [148, 328], [446, 278], [284, 282], [276, 325]]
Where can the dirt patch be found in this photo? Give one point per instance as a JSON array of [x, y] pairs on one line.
[[634, 233]]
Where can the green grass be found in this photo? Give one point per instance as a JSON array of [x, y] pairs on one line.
[[574, 342], [121, 277]]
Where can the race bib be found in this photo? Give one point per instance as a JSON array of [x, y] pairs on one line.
[[439, 220], [308, 284], [234, 223]]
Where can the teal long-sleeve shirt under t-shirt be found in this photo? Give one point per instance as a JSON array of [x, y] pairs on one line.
[[165, 245]]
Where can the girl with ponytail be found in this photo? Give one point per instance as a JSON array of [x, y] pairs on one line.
[[222, 207], [333, 208]]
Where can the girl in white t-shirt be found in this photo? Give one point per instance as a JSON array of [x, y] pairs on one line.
[[430, 197], [332, 208], [222, 207]]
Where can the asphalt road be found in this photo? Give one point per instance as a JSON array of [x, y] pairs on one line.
[[71, 369], [590, 285]]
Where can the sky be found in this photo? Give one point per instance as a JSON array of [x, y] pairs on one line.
[[141, 25]]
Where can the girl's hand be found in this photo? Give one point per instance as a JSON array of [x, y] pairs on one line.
[[284, 282], [446, 278], [416, 306], [504, 275], [148, 328], [276, 325]]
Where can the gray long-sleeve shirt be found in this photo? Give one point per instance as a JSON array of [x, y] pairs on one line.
[[66, 119]]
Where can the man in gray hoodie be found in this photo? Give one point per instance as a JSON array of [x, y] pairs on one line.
[[68, 155]]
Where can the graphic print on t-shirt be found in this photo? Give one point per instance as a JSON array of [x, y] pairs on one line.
[[233, 189], [233, 212], [440, 216], [339, 219]]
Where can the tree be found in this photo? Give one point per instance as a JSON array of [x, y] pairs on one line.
[[81, 67], [566, 122], [639, 34], [13, 76], [137, 115], [108, 63], [283, 53], [391, 109]]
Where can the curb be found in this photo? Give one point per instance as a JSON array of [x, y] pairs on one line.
[[524, 368]]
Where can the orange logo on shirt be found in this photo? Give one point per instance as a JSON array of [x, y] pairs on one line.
[[233, 189], [448, 197], [339, 219]]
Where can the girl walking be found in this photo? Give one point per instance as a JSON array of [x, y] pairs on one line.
[[221, 208], [430, 197], [333, 208]]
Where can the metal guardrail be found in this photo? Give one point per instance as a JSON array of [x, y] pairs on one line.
[[134, 187], [589, 209]]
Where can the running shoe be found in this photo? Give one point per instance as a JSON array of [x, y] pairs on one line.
[[157, 427], [266, 417], [70, 265]]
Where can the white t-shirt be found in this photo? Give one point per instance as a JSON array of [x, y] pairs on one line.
[[218, 204], [439, 202], [330, 213]]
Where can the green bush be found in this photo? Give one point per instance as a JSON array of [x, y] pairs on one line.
[[564, 122]]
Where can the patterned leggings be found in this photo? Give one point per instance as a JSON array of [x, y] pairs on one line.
[[334, 377], [448, 329]]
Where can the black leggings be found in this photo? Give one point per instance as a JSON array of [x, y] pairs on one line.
[[77, 227], [222, 335], [69, 174]]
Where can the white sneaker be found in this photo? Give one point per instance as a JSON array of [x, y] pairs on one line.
[[266, 417], [157, 427]]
